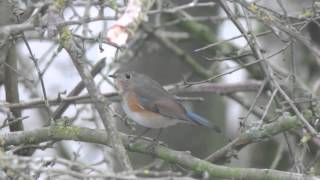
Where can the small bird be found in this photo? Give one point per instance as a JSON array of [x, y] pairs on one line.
[[146, 102]]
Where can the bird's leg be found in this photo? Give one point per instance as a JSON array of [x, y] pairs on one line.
[[146, 130], [158, 135], [155, 141]]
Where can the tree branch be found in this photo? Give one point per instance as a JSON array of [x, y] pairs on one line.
[[185, 159], [271, 21], [100, 103], [284, 123], [216, 88]]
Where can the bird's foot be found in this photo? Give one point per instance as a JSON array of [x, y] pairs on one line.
[[155, 143], [152, 146], [134, 139]]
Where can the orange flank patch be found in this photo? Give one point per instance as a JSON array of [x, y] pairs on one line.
[[133, 104]]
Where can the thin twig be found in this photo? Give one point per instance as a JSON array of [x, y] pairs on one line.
[[274, 93], [35, 62]]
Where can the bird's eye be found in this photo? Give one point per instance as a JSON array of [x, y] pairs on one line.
[[127, 76]]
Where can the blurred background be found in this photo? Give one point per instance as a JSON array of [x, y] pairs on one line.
[[170, 54]]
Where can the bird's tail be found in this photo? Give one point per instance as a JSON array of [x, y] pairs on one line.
[[202, 121]]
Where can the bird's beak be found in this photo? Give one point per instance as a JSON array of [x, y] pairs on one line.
[[112, 76]]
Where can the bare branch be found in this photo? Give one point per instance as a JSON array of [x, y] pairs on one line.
[[185, 159]]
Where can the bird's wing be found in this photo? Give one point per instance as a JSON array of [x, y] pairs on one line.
[[172, 109], [163, 104]]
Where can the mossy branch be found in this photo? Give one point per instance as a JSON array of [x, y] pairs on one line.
[[185, 159]]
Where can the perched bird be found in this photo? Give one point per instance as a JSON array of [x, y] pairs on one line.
[[146, 102]]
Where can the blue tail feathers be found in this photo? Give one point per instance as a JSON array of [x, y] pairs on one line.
[[202, 121]]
